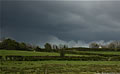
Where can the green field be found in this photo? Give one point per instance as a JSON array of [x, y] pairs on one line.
[[95, 52], [57, 67], [60, 67], [31, 53], [102, 52]]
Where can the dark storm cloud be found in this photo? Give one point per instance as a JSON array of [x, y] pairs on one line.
[[42, 21]]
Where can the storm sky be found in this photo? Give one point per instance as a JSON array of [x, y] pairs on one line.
[[63, 21]]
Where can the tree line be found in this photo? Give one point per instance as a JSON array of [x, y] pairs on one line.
[[112, 45], [10, 44]]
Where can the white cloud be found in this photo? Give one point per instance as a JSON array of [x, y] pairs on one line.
[[72, 43], [56, 41]]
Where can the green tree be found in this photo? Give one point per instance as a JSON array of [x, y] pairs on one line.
[[1, 45], [10, 44], [62, 52], [48, 47], [94, 45], [62, 49], [23, 46], [37, 48], [55, 47]]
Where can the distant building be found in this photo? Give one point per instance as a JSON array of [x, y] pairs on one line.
[[100, 46]]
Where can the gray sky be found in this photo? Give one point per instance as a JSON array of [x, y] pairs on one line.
[[61, 21]]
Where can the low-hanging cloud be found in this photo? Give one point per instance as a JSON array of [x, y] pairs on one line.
[[56, 41], [71, 44]]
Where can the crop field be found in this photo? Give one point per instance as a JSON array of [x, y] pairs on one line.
[[102, 52], [99, 53], [79, 53], [30, 53], [59, 67]]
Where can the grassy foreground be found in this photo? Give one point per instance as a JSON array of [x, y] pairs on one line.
[[59, 67]]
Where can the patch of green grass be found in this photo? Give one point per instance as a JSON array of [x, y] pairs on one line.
[[101, 52], [31, 53], [38, 63], [26, 53], [60, 67], [107, 52]]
